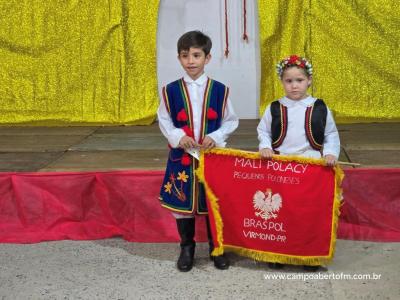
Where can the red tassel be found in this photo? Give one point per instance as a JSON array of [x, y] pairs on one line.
[[186, 161], [212, 114], [226, 52], [245, 36], [182, 116], [188, 131]]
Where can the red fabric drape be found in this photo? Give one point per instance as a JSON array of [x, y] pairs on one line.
[[371, 207], [38, 207]]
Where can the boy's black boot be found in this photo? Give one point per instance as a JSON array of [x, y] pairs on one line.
[[186, 229], [275, 266], [221, 262], [311, 268]]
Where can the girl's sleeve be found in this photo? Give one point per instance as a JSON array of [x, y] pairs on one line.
[[331, 140], [264, 130]]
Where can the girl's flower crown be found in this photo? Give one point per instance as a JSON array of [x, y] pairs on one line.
[[291, 61]]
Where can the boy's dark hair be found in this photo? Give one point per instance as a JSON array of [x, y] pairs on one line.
[[195, 39]]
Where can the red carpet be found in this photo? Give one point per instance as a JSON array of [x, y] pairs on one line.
[[37, 207]]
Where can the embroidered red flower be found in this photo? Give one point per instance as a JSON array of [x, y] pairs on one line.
[[212, 114], [172, 177], [182, 116], [188, 131], [185, 161]]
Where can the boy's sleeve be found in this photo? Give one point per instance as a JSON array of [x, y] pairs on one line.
[[167, 127], [264, 130], [331, 139], [229, 123]]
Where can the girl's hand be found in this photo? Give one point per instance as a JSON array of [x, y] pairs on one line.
[[330, 160], [208, 143], [266, 153], [187, 142]]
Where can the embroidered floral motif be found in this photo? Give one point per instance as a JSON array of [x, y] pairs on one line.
[[168, 187], [182, 176], [172, 177], [173, 188]]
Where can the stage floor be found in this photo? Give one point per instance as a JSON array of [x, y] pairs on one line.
[[33, 149]]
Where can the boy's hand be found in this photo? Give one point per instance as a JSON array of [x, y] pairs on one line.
[[187, 142], [208, 143], [330, 160], [266, 153]]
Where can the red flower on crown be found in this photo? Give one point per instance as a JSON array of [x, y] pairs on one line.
[[182, 116], [188, 131], [293, 59], [212, 114]]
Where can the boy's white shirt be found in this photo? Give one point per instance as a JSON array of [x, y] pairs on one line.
[[296, 142], [196, 90]]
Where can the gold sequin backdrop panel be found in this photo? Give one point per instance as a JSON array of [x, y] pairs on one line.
[[353, 46], [78, 62], [141, 99], [282, 30]]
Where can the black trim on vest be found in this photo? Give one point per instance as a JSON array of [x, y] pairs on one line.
[[315, 123], [278, 124]]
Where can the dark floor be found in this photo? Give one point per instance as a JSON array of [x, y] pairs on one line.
[[143, 147]]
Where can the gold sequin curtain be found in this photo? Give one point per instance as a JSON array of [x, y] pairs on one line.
[[78, 62], [354, 49]]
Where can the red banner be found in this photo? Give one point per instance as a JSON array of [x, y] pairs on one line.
[[281, 210]]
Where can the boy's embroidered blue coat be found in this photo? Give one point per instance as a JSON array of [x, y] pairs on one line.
[[181, 191]]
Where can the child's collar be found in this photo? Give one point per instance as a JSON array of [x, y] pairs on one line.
[[305, 102], [201, 80]]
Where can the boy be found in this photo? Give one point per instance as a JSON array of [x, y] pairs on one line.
[[195, 112]]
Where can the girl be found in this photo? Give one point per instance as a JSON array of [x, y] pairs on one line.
[[298, 124]]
